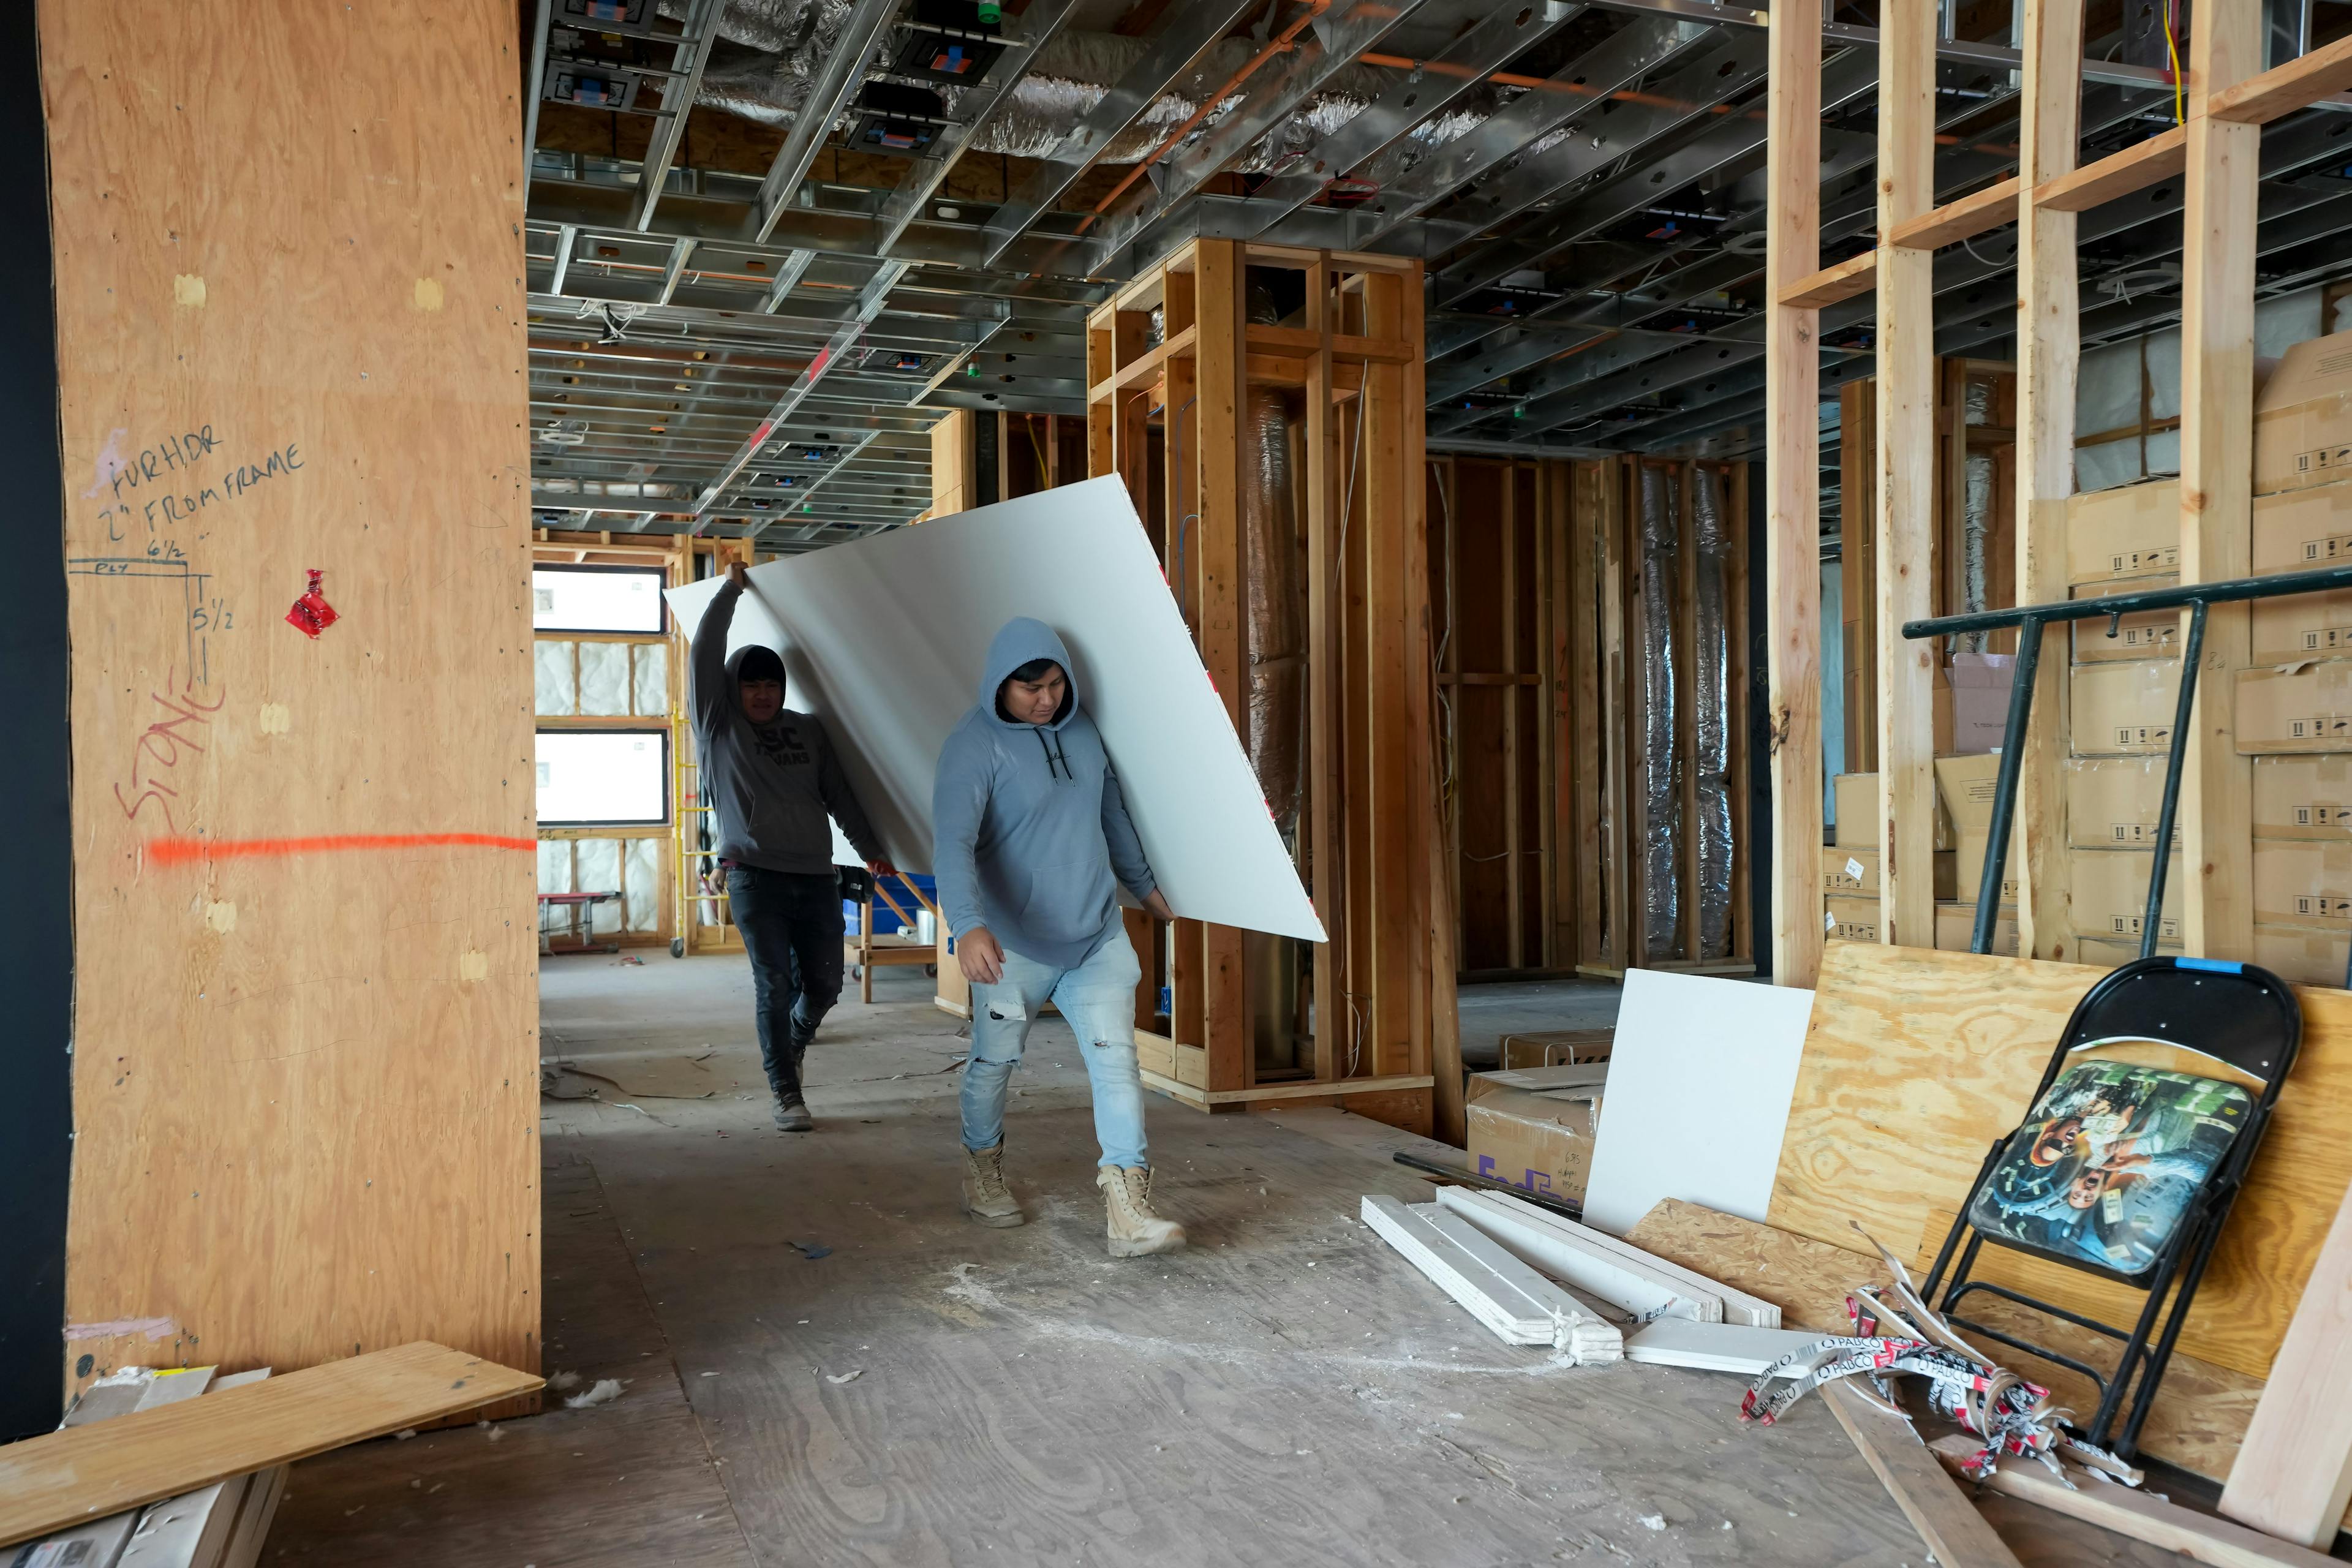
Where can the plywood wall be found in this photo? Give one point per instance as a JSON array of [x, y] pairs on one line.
[[289, 315]]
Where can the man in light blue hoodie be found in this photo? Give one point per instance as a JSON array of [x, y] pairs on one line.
[[1031, 841]]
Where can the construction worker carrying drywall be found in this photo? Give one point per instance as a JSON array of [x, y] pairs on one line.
[[771, 776], [1031, 841]]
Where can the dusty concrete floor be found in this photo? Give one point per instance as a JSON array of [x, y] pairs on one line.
[[822, 1361]]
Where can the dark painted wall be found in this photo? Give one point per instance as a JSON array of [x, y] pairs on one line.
[[35, 852]]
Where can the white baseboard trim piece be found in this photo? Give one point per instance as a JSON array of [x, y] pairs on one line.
[[1519, 1305], [1558, 1248], [1714, 1347], [1738, 1307]]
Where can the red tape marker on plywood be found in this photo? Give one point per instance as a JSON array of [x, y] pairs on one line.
[[182, 851]]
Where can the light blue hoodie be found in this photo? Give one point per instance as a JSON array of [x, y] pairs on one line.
[[1028, 826]]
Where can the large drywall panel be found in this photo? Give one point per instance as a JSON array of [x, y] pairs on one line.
[[290, 326], [885, 639], [1917, 1061], [1700, 1073]]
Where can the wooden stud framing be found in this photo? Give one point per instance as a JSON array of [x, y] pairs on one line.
[[2048, 347], [1381, 995], [1904, 508], [1793, 451], [2217, 446]]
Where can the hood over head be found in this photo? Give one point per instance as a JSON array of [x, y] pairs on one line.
[[1021, 640], [755, 662]]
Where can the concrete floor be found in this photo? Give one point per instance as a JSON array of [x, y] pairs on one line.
[[823, 1362]]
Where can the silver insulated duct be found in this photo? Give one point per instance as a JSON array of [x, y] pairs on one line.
[[1274, 654], [1661, 764], [1710, 715], [791, 39]]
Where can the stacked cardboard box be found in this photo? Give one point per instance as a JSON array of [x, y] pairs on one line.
[[2124, 684], [1534, 1127], [2294, 706], [1851, 867], [1965, 787]]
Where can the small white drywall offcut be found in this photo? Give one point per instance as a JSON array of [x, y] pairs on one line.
[[884, 640], [1701, 1072]]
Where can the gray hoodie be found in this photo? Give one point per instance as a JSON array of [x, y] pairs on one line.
[[772, 786], [1028, 826]]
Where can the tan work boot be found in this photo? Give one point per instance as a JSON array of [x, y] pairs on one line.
[[985, 1196], [1135, 1230]]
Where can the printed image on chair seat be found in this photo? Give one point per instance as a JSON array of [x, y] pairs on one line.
[[2105, 1167]]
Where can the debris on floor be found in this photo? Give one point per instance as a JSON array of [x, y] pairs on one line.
[[604, 1391]]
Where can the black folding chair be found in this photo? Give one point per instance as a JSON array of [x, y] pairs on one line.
[[2040, 1193]]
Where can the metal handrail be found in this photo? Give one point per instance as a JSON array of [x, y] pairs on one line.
[[2029, 620]]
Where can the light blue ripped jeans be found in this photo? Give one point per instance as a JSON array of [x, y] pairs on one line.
[[1097, 1000]]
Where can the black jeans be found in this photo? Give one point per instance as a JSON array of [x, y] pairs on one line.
[[791, 928]]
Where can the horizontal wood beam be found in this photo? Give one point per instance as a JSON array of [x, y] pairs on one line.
[[1854, 274], [1143, 371], [1966, 218], [2134, 168], [2283, 89]]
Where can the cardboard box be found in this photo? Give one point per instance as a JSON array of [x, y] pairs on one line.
[[1968, 866], [2102, 955], [1964, 788], [2301, 955], [2124, 709], [1980, 683], [1856, 795], [2112, 803], [1556, 1048], [2302, 797], [1851, 919], [2297, 708], [2132, 532], [2303, 882], [1533, 1127], [1856, 873], [2302, 418], [2300, 531], [1956, 928], [2109, 894], [2151, 634]]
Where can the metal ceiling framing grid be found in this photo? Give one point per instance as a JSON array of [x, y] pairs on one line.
[[1591, 223]]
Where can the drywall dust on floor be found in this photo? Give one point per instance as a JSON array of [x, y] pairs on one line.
[[822, 1361]]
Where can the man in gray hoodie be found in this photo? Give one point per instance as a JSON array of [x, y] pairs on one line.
[[771, 778], [1031, 841]]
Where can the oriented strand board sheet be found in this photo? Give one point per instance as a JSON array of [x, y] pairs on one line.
[[2200, 1414], [290, 340], [87, 1472], [1699, 1078], [885, 639], [1917, 1061]]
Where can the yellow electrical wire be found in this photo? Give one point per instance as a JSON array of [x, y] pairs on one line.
[[2172, 52]]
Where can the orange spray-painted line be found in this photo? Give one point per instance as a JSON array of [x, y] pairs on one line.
[[184, 851]]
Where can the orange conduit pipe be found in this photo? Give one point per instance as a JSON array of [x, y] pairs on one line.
[[1280, 44]]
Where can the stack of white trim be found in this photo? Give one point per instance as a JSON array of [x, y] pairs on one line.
[[1501, 1290], [1507, 1261]]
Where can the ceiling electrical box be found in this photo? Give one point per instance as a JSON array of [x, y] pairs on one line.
[[951, 42], [590, 84], [895, 118]]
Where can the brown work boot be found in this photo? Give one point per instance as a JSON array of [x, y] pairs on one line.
[[1135, 1230], [985, 1196]]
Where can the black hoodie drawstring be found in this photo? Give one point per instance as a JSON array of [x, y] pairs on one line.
[[1054, 757]]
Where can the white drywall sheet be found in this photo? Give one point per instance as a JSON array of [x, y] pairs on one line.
[[1701, 1073], [884, 640]]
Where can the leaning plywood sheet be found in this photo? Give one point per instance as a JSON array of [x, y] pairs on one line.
[[1917, 1060], [1699, 1079], [884, 638], [86, 1472]]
